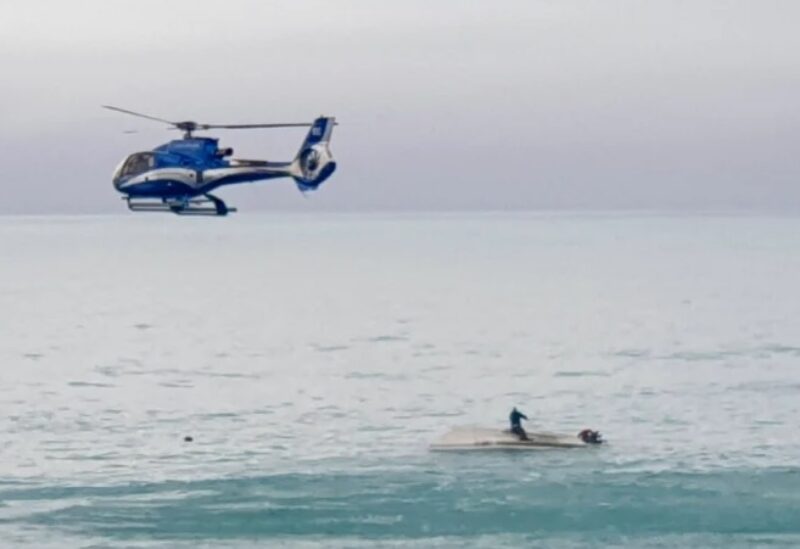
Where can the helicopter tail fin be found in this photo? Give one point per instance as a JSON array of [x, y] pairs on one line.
[[314, 162]]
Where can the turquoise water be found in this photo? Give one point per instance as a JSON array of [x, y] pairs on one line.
[[313, 359]]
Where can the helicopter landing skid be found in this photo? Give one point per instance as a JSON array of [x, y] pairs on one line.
[[205, 205]]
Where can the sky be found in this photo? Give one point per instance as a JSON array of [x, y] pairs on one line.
[[681, 105]]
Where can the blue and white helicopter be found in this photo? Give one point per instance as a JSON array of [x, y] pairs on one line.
[[179, 176]]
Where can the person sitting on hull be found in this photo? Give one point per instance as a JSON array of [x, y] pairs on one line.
[[516, 424]]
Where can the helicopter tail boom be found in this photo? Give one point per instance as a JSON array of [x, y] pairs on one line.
[[314, 162]]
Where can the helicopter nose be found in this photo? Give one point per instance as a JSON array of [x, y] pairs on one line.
[[118, 183], [117, 176]]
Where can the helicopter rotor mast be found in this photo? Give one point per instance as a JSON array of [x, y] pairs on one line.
[[190, 126]]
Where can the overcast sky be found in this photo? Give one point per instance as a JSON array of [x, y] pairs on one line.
[[445, 105]]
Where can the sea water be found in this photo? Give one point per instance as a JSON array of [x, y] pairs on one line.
[[314, 358]]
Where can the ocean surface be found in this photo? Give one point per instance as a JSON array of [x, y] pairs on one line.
[[314, 359]]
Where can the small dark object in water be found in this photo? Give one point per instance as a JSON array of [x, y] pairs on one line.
[[187, 439], [590, 437]]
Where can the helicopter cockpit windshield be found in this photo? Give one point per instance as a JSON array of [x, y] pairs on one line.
[[136, 164]]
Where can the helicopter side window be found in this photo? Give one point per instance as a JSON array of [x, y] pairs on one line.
[[138, 163]]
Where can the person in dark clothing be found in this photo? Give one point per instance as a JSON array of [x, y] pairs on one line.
[[516, 425]]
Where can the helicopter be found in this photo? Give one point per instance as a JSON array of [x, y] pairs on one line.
[[179, 176]]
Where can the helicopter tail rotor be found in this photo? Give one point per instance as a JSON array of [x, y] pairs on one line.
[[314, 162]]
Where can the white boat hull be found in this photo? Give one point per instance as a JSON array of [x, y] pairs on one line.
[[481, 438]]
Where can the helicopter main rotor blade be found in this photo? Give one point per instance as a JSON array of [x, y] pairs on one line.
[[190, 126], [140, 115], [249, 126]]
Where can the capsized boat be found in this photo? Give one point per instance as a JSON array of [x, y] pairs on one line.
[[483, 438]]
